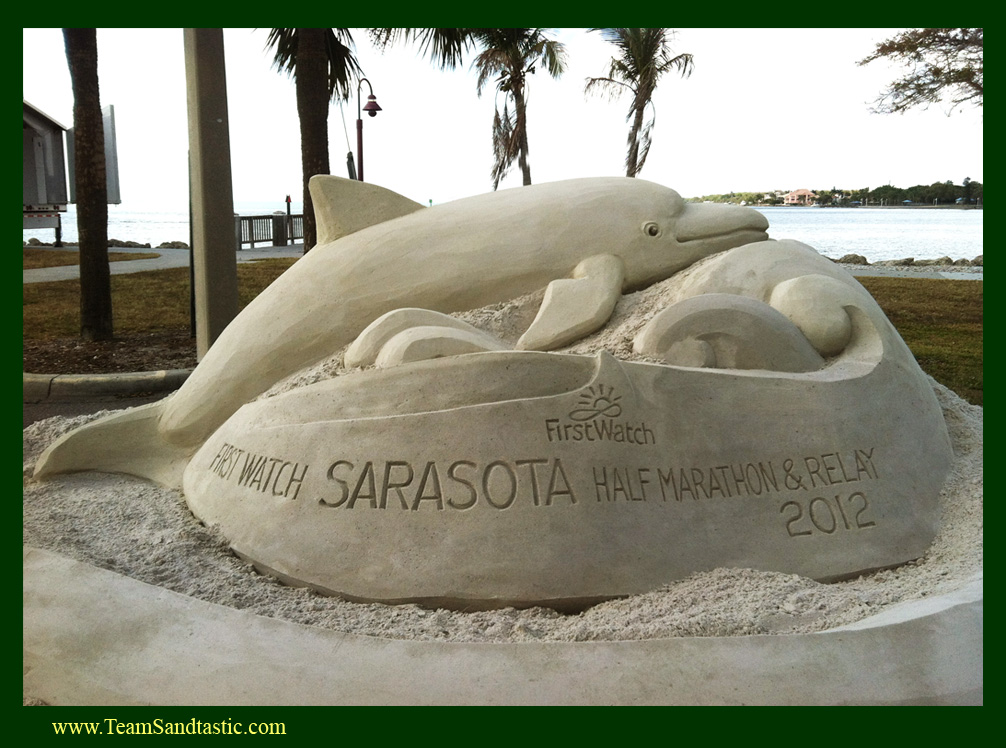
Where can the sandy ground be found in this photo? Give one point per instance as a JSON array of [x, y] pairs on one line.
[[145, 531]]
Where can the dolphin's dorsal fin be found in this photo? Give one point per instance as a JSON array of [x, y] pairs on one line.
[[342, 206]]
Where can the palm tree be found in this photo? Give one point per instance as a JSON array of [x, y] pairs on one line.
[[511, 55], [643, 56], [324, 67], [508, 56], [90, 185]]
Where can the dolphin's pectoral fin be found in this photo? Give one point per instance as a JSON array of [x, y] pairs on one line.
[[817, 305], [726, 331], [127, 441], [406, 335], [577, 306]]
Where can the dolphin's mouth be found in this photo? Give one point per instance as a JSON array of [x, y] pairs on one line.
[[722, 222], [727, 239]]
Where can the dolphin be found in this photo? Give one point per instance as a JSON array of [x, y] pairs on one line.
[[585, 240]]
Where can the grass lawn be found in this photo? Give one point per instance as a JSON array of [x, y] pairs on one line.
[[942, 323], [51, 258], [141, 302], [940, 320]]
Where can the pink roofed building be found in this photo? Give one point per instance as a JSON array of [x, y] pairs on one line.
[[799, 197]]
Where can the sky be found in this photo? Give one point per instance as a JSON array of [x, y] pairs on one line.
[[764, 109]]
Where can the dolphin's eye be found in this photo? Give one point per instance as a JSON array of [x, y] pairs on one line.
[[651, 229]]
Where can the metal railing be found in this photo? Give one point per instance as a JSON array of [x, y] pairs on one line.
[[277, 230]]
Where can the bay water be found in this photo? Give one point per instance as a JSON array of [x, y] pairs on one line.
[[151, 224], [876, 233], [882, 233]]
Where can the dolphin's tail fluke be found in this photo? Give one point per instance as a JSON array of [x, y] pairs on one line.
[[128, 441]]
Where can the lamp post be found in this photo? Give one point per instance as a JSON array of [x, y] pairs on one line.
[[372, 108]]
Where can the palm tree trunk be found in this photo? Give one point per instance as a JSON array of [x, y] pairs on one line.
[[632, 157], [90, 185], [521, 126], [312, 107]]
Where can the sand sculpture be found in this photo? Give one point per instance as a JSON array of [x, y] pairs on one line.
[[769, 416]]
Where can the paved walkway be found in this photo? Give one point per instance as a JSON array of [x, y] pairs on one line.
[[169, 258]]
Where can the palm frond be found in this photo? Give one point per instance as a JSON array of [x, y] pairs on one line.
[[343, 68], [506, 144], [445, 47], [491, 62], [608, 87], [553, 54]]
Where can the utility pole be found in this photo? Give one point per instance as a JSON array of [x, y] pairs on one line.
[[211, 194]]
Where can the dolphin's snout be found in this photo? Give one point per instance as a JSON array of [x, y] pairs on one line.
[[708, 220]]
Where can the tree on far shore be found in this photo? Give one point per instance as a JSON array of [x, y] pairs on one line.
[[943, 64], [91, 189]]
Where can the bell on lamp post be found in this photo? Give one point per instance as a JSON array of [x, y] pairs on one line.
[[371, 108]]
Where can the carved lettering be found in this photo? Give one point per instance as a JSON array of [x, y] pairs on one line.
[[740, 483], [388, 484], [541, 481], [793, 533], [511, 479], [861, 521], [814, 470], [226, 459], [822, 515], [827, 515], [498, 485], [830, 469], [667, 479], [366, 477], [268, 475], [533, 475], [864, 463], [628, 484], [553, 484], [599, 430], [291, 482], [344, 485], [430, 478], [473, 495]]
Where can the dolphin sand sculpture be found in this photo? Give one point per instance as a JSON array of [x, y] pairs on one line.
[[769, 415], [586, 240]]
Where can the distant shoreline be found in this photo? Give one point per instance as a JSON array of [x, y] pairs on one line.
[[858, 207], [882, 207]]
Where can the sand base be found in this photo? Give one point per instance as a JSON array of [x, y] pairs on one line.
[[143, 645], [184, 621]]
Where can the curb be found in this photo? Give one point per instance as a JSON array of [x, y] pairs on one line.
[[147, 645], [41, 387]]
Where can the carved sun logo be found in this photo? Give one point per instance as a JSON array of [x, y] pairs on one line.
[[596, 402]]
